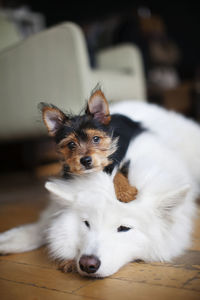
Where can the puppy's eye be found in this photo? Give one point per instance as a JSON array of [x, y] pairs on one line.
[[123, 228], [71, 145], [96, 139], [87, 224]]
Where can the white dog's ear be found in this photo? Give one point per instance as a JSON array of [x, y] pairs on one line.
[[172, 199], [60, 189]]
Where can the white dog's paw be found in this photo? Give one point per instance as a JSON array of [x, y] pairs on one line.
[[21, 239], [12, 241], [8, 241]]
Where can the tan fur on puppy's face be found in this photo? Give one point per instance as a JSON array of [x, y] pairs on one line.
[[99, 152]]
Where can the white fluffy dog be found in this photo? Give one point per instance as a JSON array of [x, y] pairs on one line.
[[86, 223]]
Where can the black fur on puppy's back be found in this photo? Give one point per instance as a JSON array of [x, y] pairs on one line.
[[127, 130]]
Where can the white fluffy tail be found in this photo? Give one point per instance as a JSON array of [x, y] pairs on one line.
[[22, 239]]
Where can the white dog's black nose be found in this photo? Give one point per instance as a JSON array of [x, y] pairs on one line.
[[89, 263], [86, 161]]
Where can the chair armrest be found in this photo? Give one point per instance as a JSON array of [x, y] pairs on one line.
[[51, 66], [126, 59], [119, 86]]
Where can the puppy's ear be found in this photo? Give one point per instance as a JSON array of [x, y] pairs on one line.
[[98, 107], [61, 190], [53, 118]]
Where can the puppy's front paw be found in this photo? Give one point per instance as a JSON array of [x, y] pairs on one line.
[[68, 266], [124, 191]]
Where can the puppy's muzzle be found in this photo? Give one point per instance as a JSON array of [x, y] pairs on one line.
[[89, 263], [86, 161]]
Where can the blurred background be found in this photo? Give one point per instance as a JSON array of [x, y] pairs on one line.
[[57, 51]]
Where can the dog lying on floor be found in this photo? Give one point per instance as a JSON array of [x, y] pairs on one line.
[[86, 224]]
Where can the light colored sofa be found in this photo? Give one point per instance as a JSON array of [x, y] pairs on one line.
[[53, 66], [9, 34]]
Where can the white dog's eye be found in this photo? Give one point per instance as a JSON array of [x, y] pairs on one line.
[[123, 228], [87, 223]]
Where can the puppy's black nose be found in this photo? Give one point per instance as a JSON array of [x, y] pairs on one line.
[[86, 161], [89, 263]]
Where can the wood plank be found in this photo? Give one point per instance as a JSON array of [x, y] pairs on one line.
[[41, 277], [196, 234], [166, 275], [17, 291], [114, 289], [12, 216], [37, 257], [20, 210]]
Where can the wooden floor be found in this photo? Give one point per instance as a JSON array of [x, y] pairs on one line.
[[32, 276]]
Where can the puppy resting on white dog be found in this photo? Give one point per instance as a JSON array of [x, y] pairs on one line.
[[87, 224]]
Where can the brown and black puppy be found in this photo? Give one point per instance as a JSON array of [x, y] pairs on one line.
[[92, 141]]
